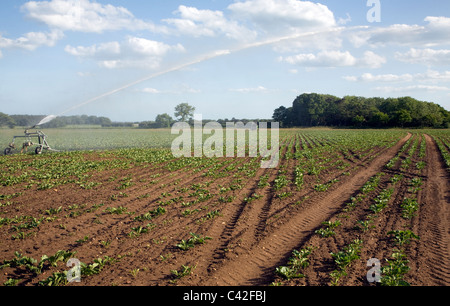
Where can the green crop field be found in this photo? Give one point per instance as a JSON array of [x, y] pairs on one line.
[[119, 201], [67, 139]]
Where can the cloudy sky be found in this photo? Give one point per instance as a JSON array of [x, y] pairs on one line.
[[134, 59]]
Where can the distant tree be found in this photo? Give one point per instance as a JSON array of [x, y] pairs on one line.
[[359, 120], [379, 119], [6, 120], [164, 120], [147, 125], [281, 115], [104, 121], [327, 110], [184, 112], [403, 117], [27, 120]]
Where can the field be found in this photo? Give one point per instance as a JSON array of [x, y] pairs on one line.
[[132, 214]]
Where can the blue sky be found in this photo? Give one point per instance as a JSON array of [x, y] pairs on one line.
[[241, 58]]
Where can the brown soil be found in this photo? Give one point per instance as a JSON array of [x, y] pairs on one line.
[[249, 239]]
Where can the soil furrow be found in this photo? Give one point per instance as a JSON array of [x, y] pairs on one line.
[[434, 251], [242, 271]]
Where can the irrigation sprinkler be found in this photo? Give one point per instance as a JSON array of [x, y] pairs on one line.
[[40, 146]]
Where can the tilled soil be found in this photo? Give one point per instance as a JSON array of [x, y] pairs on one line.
[[249, 239]]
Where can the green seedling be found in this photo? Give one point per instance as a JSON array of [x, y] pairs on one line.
[[11, 282], [280, 182], [288, 272], [184, 271], [394, 272], [382, 200], [299, 259], [191, 242], [350, 253], [82, 240], [151, 214], [116, 210], [328, 231], [137, 231], [363, 225], [56, 279], [409, 208], [403, 237], [53, 211]]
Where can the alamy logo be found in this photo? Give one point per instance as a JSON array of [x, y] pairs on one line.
[[74, 274], [233, 140], [374, 273], [374, 14]]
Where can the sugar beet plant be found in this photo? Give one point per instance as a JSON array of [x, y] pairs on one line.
[[402, 237], [343, 259], [298, 261], [191, 242], [34, 266], [394, 272], [409, 207], [328, 229], [382, 200]]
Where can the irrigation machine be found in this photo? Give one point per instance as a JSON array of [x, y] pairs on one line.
[[41, 144]]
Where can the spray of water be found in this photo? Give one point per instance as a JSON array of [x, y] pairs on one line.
[[46, 119], [201, 59]]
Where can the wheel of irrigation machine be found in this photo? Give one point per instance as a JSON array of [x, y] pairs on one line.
[[8, 151], [38, 150]]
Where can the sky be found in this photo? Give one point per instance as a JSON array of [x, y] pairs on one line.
[[132, 60]]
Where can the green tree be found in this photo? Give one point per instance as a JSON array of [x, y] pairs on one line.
[[6, 120], [358, 120], [403, 117], [184, 112], [327, 110], [379, 119], [281, 115], [164, 120]]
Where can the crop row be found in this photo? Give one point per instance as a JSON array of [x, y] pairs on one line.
[[395, 269]]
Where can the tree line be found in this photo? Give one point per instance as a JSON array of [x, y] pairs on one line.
[[183, 112], [30, 120], [307, 110], [311, 110]]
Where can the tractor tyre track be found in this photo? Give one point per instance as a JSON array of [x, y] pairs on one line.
[[256, 266], [433, 254]]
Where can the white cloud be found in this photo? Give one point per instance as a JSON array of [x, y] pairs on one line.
[[321, 40], [368, 77], [85, 16], [428, 88], [184, 88], [179, 88], [432, 75], [435, 32], [335, 59], [32, 40], [104, 50], [429, 76], [74, 15], [281, 15], [195, 22], [322, 59], [151, 90], [84, 74], [343, 21], [425, 56], [133, 52], [150, 47], [260, 89], [371, 60]]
